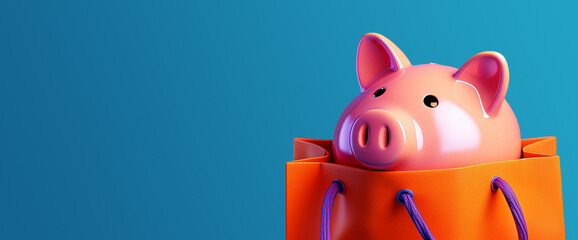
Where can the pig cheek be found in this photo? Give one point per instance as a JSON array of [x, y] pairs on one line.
[[343, 138], [457, 130], [418, 136]]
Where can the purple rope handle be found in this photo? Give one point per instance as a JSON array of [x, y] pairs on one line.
[[336, 186], [405, 197], [514, 206]]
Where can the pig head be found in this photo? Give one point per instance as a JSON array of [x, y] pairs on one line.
[[430, 116]]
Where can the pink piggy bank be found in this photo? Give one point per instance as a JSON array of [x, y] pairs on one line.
[[430, 116]]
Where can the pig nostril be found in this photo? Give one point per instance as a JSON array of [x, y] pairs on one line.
[[383, 137], [387, 136], [363, 135]]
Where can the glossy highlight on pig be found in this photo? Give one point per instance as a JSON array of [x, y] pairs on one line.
[[429, 116]]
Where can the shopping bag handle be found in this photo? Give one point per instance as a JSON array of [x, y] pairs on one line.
[[336, 186], [514, 205], [406, 197]]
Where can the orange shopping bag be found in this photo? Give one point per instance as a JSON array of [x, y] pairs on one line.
[[456, 203]]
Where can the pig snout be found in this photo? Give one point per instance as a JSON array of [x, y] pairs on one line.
[[379, 137]]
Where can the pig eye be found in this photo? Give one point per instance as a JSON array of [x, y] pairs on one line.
[[430, 101], [378, 92]]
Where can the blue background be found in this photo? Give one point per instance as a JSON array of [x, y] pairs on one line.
[[174, 119]]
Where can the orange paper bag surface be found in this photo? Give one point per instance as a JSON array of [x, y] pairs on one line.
[[455, 203]]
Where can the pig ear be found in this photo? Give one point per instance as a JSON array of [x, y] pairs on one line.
[[376, 55], [488, 73]]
